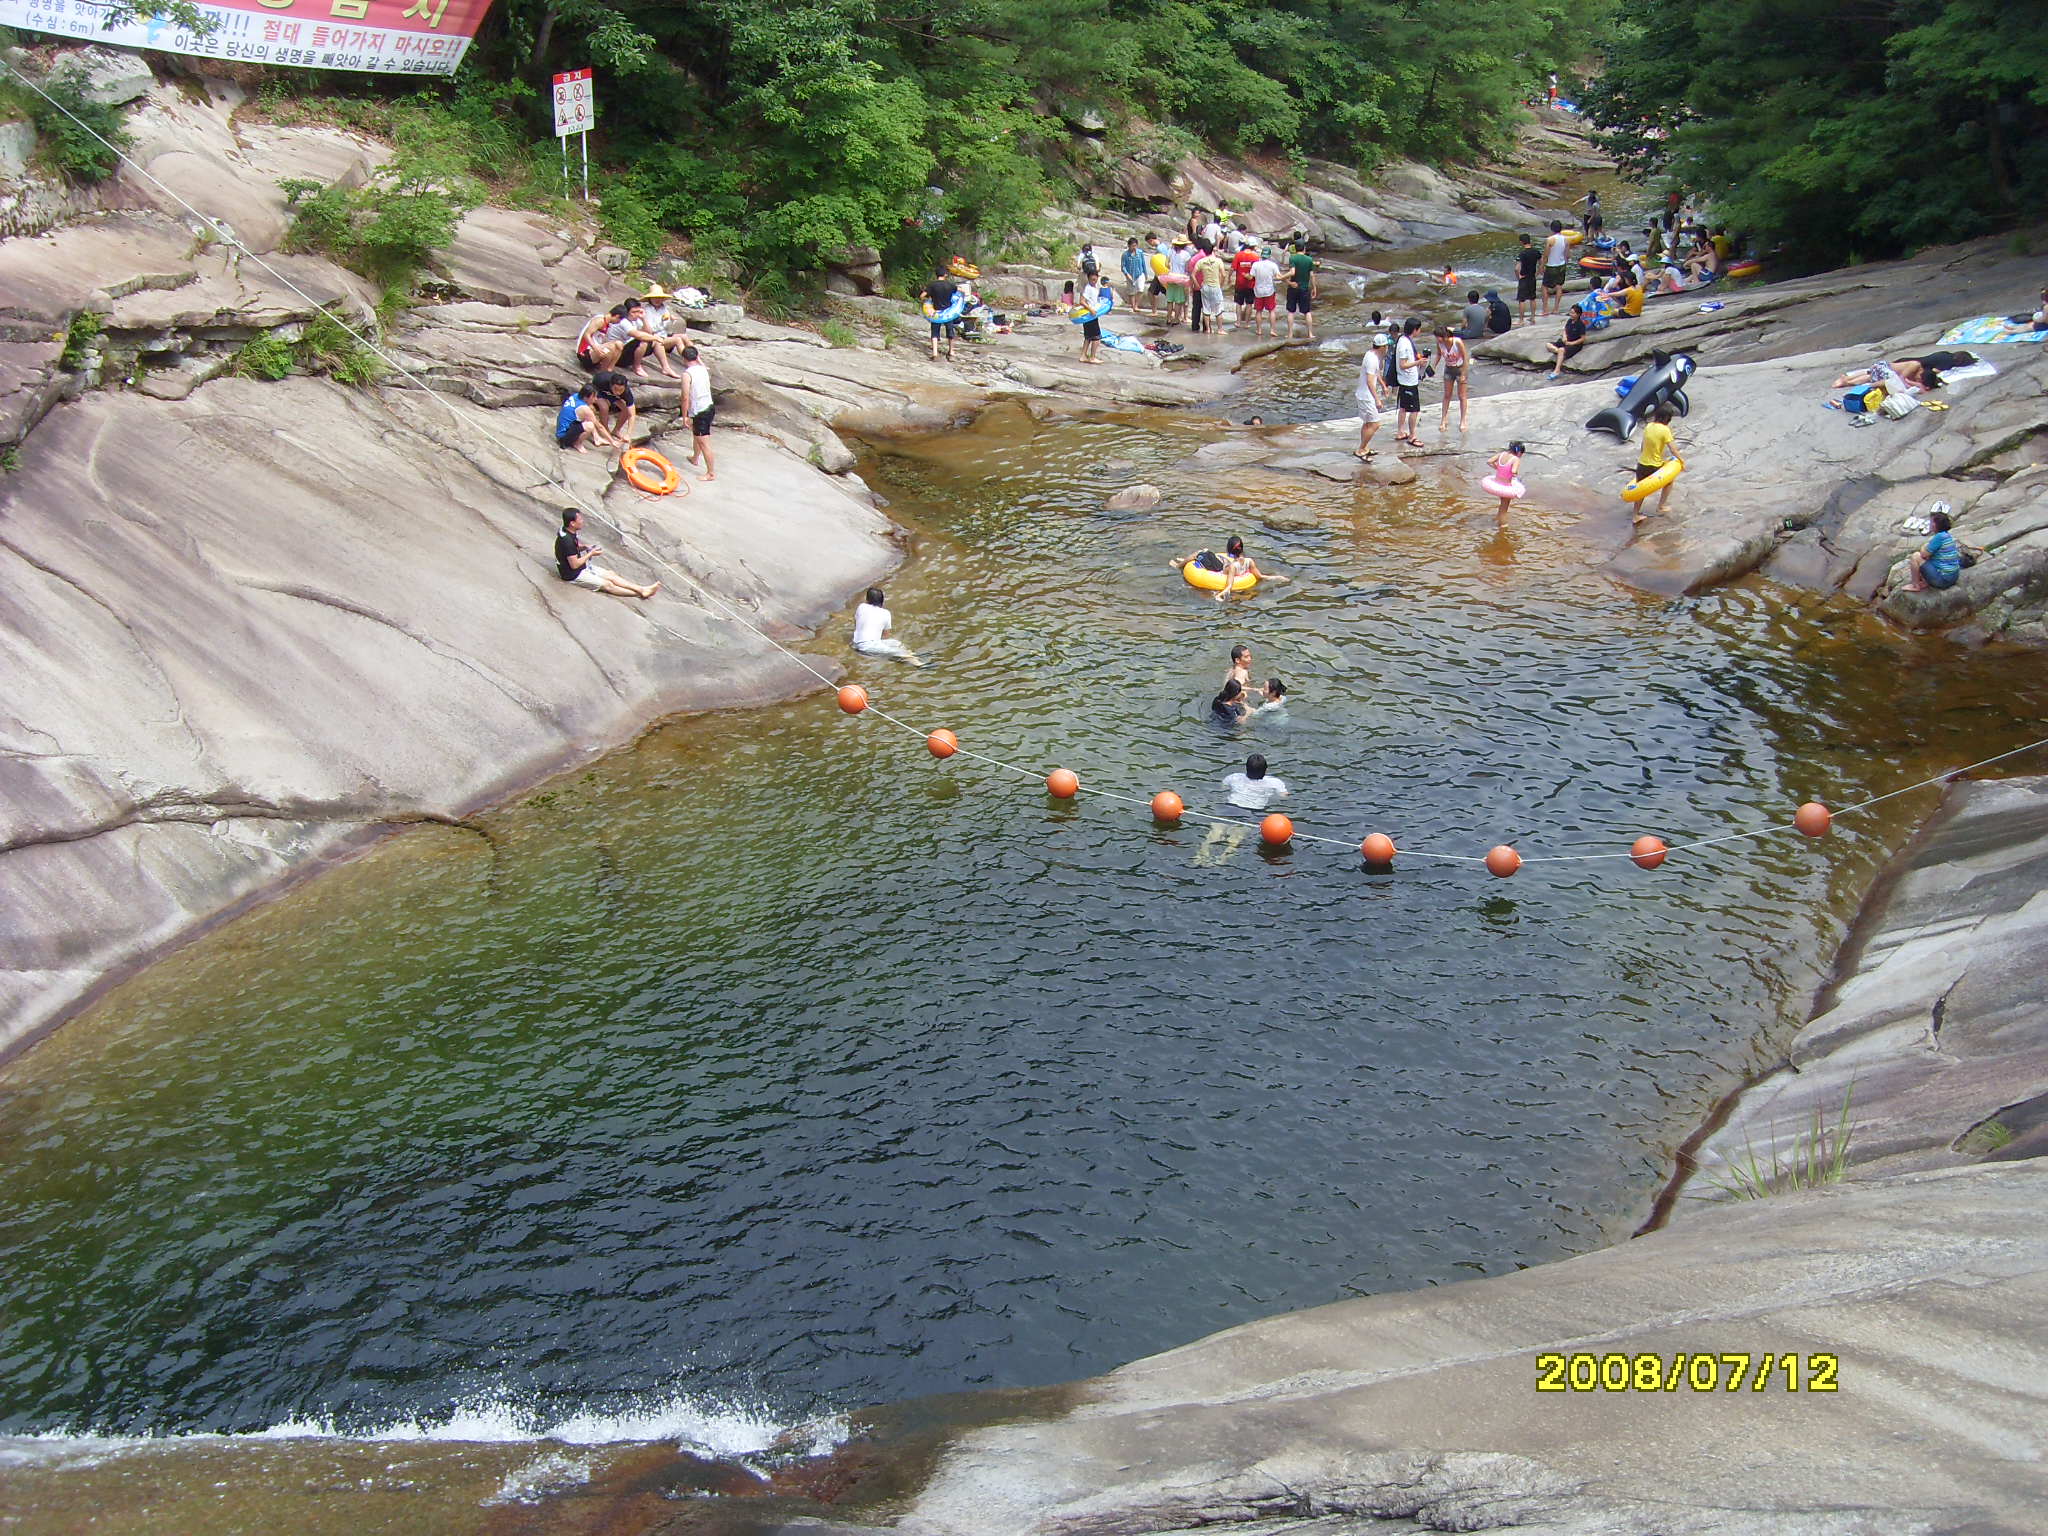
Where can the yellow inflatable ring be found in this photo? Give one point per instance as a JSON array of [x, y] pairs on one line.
[[1650, 485], [1212, 581], [649, 471], [1574, 236]]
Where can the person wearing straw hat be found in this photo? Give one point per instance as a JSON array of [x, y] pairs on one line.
[[671, 332]]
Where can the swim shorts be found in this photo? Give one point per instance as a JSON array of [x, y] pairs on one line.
[[1644, 471], [1553, 277], [1368, 408], [571, 436], [700, 424], [1244, 296], [946, 328], [1266, 303], [1299, 302], [1411, 396], [1525, 288]]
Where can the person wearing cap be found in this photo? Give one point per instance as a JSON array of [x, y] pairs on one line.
[[669, 330], [1371, 400], [1177, 294], [1265, 276]]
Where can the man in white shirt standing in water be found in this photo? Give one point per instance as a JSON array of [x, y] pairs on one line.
[[697, 405], [871, 637]]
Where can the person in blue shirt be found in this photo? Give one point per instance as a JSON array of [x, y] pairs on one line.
[[1940, 562], [1137, 273], [577, 420]]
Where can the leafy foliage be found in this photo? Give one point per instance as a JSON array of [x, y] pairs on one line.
[[325, 345], [1837, 126], [79, 336], [786, 135], [76, 137]]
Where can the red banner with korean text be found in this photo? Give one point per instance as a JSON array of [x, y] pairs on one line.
[[405, 37]]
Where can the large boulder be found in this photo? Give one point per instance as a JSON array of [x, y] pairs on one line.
[[108, 77]]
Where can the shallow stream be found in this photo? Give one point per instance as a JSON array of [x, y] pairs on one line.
[[771, 1067]]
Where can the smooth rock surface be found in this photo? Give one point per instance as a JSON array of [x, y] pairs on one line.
[[1423, 1407], [1937, 1026], [246, 628]]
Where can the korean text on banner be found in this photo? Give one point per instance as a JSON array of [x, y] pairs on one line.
[[575, 103], [401, 37]]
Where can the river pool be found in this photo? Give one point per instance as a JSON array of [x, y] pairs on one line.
[[771, 1067]]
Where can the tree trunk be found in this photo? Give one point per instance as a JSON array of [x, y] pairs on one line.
[[541, 39]]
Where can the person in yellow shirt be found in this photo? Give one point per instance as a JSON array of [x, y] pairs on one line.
[[1632, 299], [1656, 453]]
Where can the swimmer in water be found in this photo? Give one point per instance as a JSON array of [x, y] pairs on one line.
[[1272, 699], [1240, 667], [1228, 708]]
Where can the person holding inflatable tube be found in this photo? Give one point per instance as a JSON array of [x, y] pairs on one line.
[[940, 296], [1655, 453]]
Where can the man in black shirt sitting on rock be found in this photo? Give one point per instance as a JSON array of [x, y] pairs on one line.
[[573, 557]]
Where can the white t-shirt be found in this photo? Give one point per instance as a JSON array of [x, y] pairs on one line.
[[1369, 373], [1407, 367], [1554, 248], [696, 389], [658, 319], [870, 624], [1212, 232], [1253, 794], [1265, 276], [1177, 259]]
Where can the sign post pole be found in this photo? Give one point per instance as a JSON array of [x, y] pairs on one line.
[[575, 112]]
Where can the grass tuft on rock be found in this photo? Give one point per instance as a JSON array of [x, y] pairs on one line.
[[1817, 1156]]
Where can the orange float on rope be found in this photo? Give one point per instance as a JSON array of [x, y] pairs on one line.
[[649, 471], [1813, 819], [1501, 860], [1378, 848], [1647, 852], [853, 698], [1276, 830], [942, 743], [1062, 784], [1166, 806]]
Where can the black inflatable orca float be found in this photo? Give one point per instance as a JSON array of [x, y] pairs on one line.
[[1663, 382]]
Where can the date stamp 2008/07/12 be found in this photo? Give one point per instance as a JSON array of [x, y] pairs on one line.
[[1725, 1372]]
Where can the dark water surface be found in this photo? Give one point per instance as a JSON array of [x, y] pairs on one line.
[[772, 1065]]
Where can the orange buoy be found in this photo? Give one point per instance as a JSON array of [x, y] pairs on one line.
[[1813, 819], [1378, 848], [853, 698], [942, 743], [1166, 806], [1647, 852], [1276, 829], [1062, 784], [1502, 860]]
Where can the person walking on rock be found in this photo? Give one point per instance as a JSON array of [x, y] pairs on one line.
[[1371, 402], [1455, 359], [698, 406], [573, 557], [940, 293]]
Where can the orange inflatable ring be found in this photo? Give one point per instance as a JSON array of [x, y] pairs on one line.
[[649, 471]]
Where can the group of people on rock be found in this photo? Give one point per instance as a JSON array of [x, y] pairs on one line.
[[603, 412], [625, 337]]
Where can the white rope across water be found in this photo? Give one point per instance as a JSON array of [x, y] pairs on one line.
[[553, 477]]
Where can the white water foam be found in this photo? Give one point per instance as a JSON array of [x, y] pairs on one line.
[[718, 1432]]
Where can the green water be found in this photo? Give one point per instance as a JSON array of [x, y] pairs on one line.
[[771, 1067]]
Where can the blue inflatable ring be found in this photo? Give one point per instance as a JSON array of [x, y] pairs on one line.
[[1081, 316]]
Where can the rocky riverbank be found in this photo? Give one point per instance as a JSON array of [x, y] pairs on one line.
[[256, 625]]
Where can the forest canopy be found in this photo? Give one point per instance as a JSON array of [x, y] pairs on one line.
[[780, 133], [1838, 128]]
